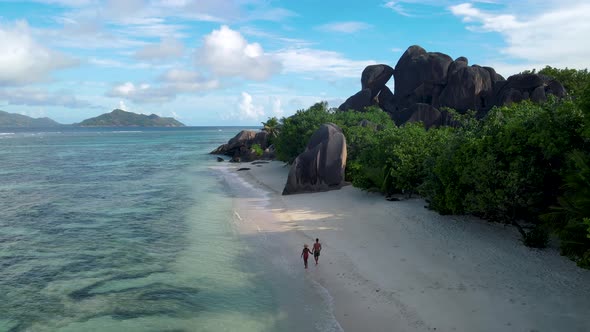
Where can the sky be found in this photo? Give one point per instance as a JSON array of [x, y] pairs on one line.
[[224, 62]]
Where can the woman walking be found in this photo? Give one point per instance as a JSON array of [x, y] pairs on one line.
[[305, 254]]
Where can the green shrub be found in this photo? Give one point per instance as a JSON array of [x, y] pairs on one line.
[[513, 165], [257, 149], [444, 186], [573, 80], [570, 218], [297, 129]]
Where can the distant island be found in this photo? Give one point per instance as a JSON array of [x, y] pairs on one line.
[[19, 120], [120, 118], [116, 118]]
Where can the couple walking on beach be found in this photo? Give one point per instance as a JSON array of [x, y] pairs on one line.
[[317, 247]]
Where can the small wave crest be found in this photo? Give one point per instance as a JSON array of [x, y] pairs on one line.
[[330, 324]]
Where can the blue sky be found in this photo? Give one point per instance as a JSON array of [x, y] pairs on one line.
[[223, 62]]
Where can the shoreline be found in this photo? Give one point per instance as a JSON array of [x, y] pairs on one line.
[[396, 266]]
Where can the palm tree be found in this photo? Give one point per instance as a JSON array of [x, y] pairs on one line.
[[272, 127]]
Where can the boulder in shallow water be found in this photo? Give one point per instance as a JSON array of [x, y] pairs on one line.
[[321, 166], [239, 148]]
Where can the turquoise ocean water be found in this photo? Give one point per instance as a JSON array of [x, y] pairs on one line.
[[131, 230]]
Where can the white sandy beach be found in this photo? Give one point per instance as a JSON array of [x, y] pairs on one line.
[[397, 266]]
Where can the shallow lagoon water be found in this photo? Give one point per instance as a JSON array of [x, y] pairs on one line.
[[132, 230]]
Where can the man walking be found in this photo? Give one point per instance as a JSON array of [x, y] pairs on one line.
[[317, 247]]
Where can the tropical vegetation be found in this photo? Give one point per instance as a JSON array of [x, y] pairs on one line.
[[524, 164]]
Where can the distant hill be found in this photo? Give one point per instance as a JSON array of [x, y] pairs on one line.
[[19, 120], [120, 118]]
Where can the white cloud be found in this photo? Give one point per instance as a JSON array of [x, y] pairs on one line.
[[202, 10], [247, 110], [141, 93], [227, 53], [70, 37], [124, 9], [109, 63], [122, 105], [272, 37], [557, 36], [321, 63], [170, 84], [345, 27], [167, 48], [120, 63], [270, 14], [187, 81], [38, 97], [68, 3], [428, 8], [396, 7], [277, 109], [23, 60], [150, 28], [95, 27], [179, 75]]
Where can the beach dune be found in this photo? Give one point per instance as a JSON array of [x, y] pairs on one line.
[[397, 266]]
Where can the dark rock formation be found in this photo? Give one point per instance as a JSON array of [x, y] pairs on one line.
[[219, 159], [358, 101], [269, 153], [426, 114], [425, 82], [386, 100], [418, 68], [526, 86], [468, 88], [321, 166], [538, 95], [495, 77], [555, 88], [239, 148], [374, 78], [525, 81]]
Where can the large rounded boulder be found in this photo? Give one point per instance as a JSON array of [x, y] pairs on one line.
[[428, 115], [386, 101], [240, 146], [358, 102], [416, 67], [468, 88], [375, 77], [321, 166], [527, 86]]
